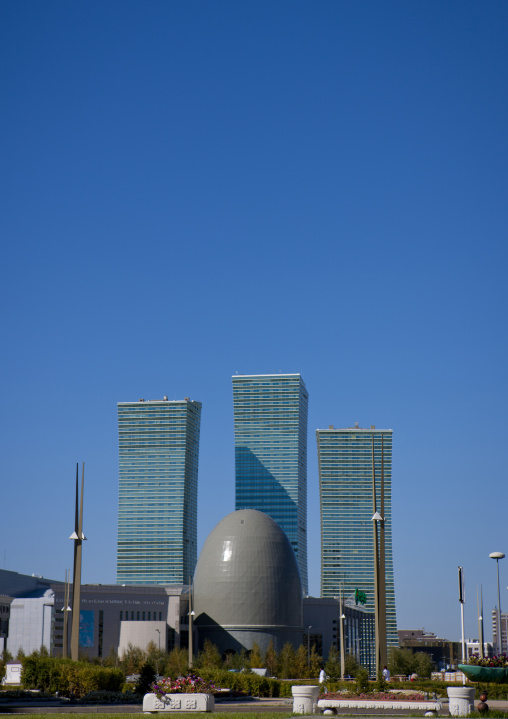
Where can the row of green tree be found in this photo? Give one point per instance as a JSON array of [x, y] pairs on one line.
[[289, 663], [407, 662]]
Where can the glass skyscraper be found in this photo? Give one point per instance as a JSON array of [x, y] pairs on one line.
[[157, 513], [347, 544], [271, 453]]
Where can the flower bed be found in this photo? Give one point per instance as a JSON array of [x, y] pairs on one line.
[[489, 669], [184, 685], [186, 694], [499, 661]]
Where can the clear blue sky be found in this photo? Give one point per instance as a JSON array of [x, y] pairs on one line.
[[191, 189]]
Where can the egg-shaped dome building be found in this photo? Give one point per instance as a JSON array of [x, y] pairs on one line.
[[247, 586]]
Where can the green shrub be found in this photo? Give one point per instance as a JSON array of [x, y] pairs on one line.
[[494, 691], [350, 665], [105, 697], [7, 694], [54, 674], [146, 679], [362, 685], [249, 683], [332, 666]]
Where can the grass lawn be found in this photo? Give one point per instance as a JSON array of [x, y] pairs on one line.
[[235, 715], [174, 715]]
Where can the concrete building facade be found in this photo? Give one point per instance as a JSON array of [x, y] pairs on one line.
[[444, 653], [5, 613], [112, 617], [322, 619]]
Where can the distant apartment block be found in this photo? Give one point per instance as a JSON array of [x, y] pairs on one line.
[[504, 629], [158, 486], [270, 418]]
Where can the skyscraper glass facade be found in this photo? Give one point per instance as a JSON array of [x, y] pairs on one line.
[[271, 453], [157, 513], [345, 485]]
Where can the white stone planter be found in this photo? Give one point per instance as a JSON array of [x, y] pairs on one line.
[[461, 700], [178, 703], [332, 706], [304, 699]]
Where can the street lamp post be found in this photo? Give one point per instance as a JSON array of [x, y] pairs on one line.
[[342, 657], [78, 538], [308, 645], [342, 617], [497, 556], [378, 521], [192, 614], [375, 520], [479, 604], [461, 600], [66, 609], [157, 662]]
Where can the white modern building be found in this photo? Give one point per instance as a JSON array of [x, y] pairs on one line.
[[473, 648], [504, 629], [30, 625], [111, 616]]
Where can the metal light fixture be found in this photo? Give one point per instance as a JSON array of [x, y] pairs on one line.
[[192, 614], [76, 580], [461, 601], [479, 604], [65, 609], [157, 662], [497, 556], [342, 656], [342, 651], [378, 526], [308, 645]]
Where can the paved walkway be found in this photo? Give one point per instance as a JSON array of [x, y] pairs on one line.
[[254, 706]]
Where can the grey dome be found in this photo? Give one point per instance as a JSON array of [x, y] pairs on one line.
[[247, 584]]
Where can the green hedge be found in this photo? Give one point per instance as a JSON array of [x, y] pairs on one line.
[[53, 674], [430, 686], [494, 691], [250, 683]]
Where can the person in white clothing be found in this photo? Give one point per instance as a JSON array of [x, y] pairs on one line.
[[322, 678]]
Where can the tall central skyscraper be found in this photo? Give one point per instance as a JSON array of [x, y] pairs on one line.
[[271, 453], [157, 514], [346, 493]]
